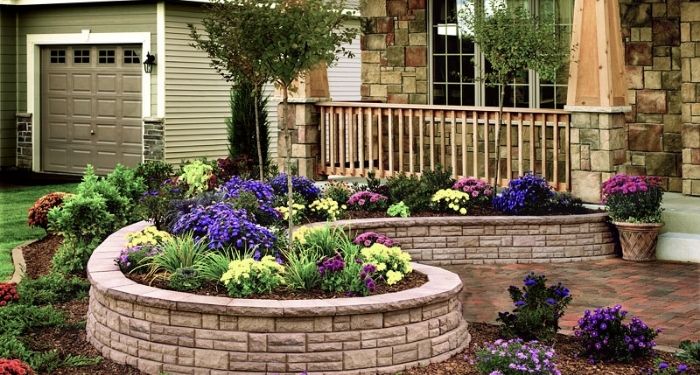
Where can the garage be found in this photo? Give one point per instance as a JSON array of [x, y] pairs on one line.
[[90, 107]]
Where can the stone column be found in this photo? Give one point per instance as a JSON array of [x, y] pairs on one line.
[[153, 144], [24, 141], [303, 117], [690, 95]]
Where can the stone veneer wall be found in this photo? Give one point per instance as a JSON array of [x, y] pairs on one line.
[[495, 239], [24, 140], [690, 93], [158, 330], [153, 144], [651, 29], [395, 52]]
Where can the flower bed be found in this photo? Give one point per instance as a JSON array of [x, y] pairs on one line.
[[166, 331], [494, 239]]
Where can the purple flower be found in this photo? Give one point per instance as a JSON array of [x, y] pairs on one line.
[[682, 367], [300, 184], [524, 195], [368, 239], [329, 265], [367, 200], [550, 301]]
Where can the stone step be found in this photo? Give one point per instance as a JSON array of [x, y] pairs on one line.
[[678, 247]]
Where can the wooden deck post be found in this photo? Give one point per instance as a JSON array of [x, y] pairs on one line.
[[596, 96]]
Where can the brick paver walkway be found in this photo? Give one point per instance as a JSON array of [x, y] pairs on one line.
[[664, 295]]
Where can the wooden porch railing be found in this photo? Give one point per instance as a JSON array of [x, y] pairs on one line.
[[388, 139]]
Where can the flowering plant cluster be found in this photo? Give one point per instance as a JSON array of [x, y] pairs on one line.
[[345, 275], [297, 212], [399, 209], [392, 264], [605, 336], [525, 195], [263, 191], [634, 199], [14, 367], [248, 276], [8, 293], [515, 357], [147, 236], [157, 201], [663, 368], [326, 209], [537, 309], [368, 239], [478, 190], [368, 201], [300, 184], [224, 226], [133, 256], [448, 200], [38, 214], [198, 176]]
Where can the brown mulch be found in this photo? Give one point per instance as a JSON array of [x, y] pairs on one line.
[[38, 254], [567, 359], [412, 280]]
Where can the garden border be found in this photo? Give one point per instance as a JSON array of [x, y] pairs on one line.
[[449, 240], [159, 330]]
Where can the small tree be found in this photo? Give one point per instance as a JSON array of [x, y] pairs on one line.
[[512, 40], [236, 33], [242, 137], [301, 35]]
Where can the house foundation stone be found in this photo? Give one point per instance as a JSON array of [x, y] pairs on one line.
[[24, 140], [690, 96], [153, 144], [306, 149]]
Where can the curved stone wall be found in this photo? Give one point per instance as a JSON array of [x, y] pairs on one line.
[[159, 330], [495, 239]]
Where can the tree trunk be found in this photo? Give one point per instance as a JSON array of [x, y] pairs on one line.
[[257, 133], [288, 162]]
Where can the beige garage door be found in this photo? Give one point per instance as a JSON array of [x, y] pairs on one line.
[[90, 107]]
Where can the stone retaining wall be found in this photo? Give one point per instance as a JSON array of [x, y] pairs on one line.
[[495, 239], [158, 330]]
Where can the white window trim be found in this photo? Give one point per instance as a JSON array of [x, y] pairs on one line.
[[34, 44]]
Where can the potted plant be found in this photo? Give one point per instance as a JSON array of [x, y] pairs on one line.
[[634, 206]]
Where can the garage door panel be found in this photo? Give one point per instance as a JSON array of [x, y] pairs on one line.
[[106, 83], [82, 107], [57, 83], [92, 111], [82, 83]]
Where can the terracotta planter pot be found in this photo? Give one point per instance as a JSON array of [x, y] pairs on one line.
[[638, 241]]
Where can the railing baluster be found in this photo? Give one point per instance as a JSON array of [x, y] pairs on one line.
[[465, 151], [361, 140], [555, 152], [421, 120], [410, 142], [334, 149], [532, 143], [380, 138], [475, 144], [453, 143], [343, 139], [322, 125], [370, 139], [443, 148], [390, 137], [509, 146], [486, 146], [543, 139], [401, 166], [567, 147], [432, 140], [520, 144], [352, 143]]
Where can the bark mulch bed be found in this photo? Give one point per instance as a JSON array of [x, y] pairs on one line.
[[412, 280], [38, 254], [567, 359]]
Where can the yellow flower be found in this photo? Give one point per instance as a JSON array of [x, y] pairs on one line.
[[393, 277]]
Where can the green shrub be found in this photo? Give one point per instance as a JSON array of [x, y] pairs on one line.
[[72, 257], [185, 279], [82, 218], [437, 179], [52, 288], [301, 270], [339, 191], [241, 126], [154, 173], [215, 264], [690, 351], [323, 240], [248, 276], [409, 190], [399, 209], [129, 185], [197, 175]]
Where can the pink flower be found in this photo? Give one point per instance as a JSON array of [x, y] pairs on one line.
[[361, 202]]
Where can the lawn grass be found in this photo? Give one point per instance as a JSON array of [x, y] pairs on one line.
[[14, 205]]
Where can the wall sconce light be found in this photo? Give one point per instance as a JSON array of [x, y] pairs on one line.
[[149, 62]]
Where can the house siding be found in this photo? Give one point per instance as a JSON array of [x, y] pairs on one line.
[[8, 98], [196, 96]]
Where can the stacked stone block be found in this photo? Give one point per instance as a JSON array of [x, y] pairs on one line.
[[496, 240], [395, 52], [690, 92], [160, 331], [153, 145], [652, 56], [24, 140], [304, 118]]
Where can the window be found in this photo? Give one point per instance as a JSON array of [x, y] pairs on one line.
[[57, 56], [131, 57], [457, 64], [81, 56], [106, 56]]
